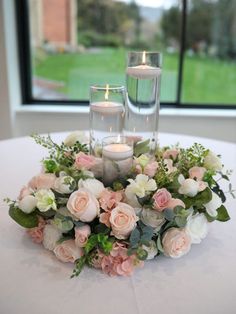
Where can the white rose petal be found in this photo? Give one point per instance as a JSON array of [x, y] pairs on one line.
[[51, 235], [213, 205], [151, 250], [93, 185], [212, 162], [197, 227], [64, 184], [75, 136], [131, 198], [28, 204], [188, 187], [45, 200]]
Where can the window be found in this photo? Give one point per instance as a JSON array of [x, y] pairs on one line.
[[68, 45]]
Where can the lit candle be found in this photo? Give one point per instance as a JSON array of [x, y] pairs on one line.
[[117, 151], [106, 106], [143, 71]]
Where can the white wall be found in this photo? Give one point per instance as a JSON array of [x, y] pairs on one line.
[[18, 120]]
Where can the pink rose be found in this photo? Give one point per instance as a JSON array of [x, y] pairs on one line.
[[118, 262], [176, 242], [67, 251], [42, 181], [109, 199], [161, 199], [173, 202], [171, 153], [197, 173], [151, 168], [25, 191], [81, 235], [37, 233], [84, 161], [83, 205], [123, 220]]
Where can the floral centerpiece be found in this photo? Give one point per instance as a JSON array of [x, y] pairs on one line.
[[162, 206]]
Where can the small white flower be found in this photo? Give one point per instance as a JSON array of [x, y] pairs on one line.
[[213, 205], [45, 200], [51, 234], [188, 187], [212, 162], [75, 136], [93, 185], [151, 250], [152, 218], [142, 185], [64, 184], [131, 198], [28, 204], [197, 227]]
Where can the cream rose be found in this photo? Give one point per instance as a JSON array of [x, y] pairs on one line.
[[93, 185], [75, 136], [64, 184], [123, 220], [176, 242], [51, 234], [67, 251], [197, 227], [83, 205], [28, 204], [212, 162], [188, 187]]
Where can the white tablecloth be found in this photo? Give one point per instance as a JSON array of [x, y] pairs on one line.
[[33, 281]]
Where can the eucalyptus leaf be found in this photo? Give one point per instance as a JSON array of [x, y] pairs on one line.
[[159, 244], [180, 221], [134, 237], [169, 214], [222, 214], [141, 254], [141, 148], [25, 220]]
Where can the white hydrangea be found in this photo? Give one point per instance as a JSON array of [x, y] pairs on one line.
[[28, 204], [197, 227]]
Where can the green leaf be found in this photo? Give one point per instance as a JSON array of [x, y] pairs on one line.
[[25, 220], [48, 214], [79, 265], [222, 214], [134, 237], [159, 244], [91, 243], [141, 254], [147, 233], [169, 214], [101, 228], [141, 148], [180, 221], [209, 218], [50, 165]]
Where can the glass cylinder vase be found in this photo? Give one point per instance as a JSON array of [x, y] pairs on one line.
[[143, 77], [106, 114]]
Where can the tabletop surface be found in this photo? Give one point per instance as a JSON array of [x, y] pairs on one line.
[[33, 281]]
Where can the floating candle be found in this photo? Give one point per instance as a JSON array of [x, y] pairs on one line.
[[117, 151]]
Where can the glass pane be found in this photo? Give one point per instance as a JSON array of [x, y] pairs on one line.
[[210, 64], [77, 43]]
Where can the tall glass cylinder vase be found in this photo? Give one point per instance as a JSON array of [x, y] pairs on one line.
[[106, 114], [143, 77]]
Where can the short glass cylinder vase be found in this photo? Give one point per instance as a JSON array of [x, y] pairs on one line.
[[143, 78], [107, 106], [117, 157]]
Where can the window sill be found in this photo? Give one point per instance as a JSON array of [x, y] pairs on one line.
[[170, 112]]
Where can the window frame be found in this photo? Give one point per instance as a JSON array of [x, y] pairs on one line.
[[24, 56]]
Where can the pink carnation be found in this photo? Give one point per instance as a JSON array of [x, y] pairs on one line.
[[37, 233], [118, 262], [42, 181], [84, 161]]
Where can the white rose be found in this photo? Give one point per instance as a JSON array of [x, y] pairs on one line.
[[28, 204], [131, 198], [152, 218], [213, 205], [64, 184], [142, 185], [45, 200], [188, 187], [197, 227], [51, 234], [75, 136], [93, 185], [212, 162], [151, 250]]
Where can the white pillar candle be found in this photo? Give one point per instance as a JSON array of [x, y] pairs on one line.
[[117, 151]]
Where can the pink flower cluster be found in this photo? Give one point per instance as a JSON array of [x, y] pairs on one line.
[[117, 262]]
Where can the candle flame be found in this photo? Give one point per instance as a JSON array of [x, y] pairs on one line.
[[107, 92], [144, 57]]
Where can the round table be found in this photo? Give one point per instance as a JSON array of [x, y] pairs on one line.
[[33, 281]]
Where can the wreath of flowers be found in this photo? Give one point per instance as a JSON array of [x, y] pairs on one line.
[[163, 205]]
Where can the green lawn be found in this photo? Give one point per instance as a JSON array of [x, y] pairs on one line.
[[205, 80]]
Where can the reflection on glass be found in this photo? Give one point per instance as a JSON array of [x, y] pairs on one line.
[[76, 44]]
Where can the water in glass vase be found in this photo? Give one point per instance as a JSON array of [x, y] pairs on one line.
[[142, 108]]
